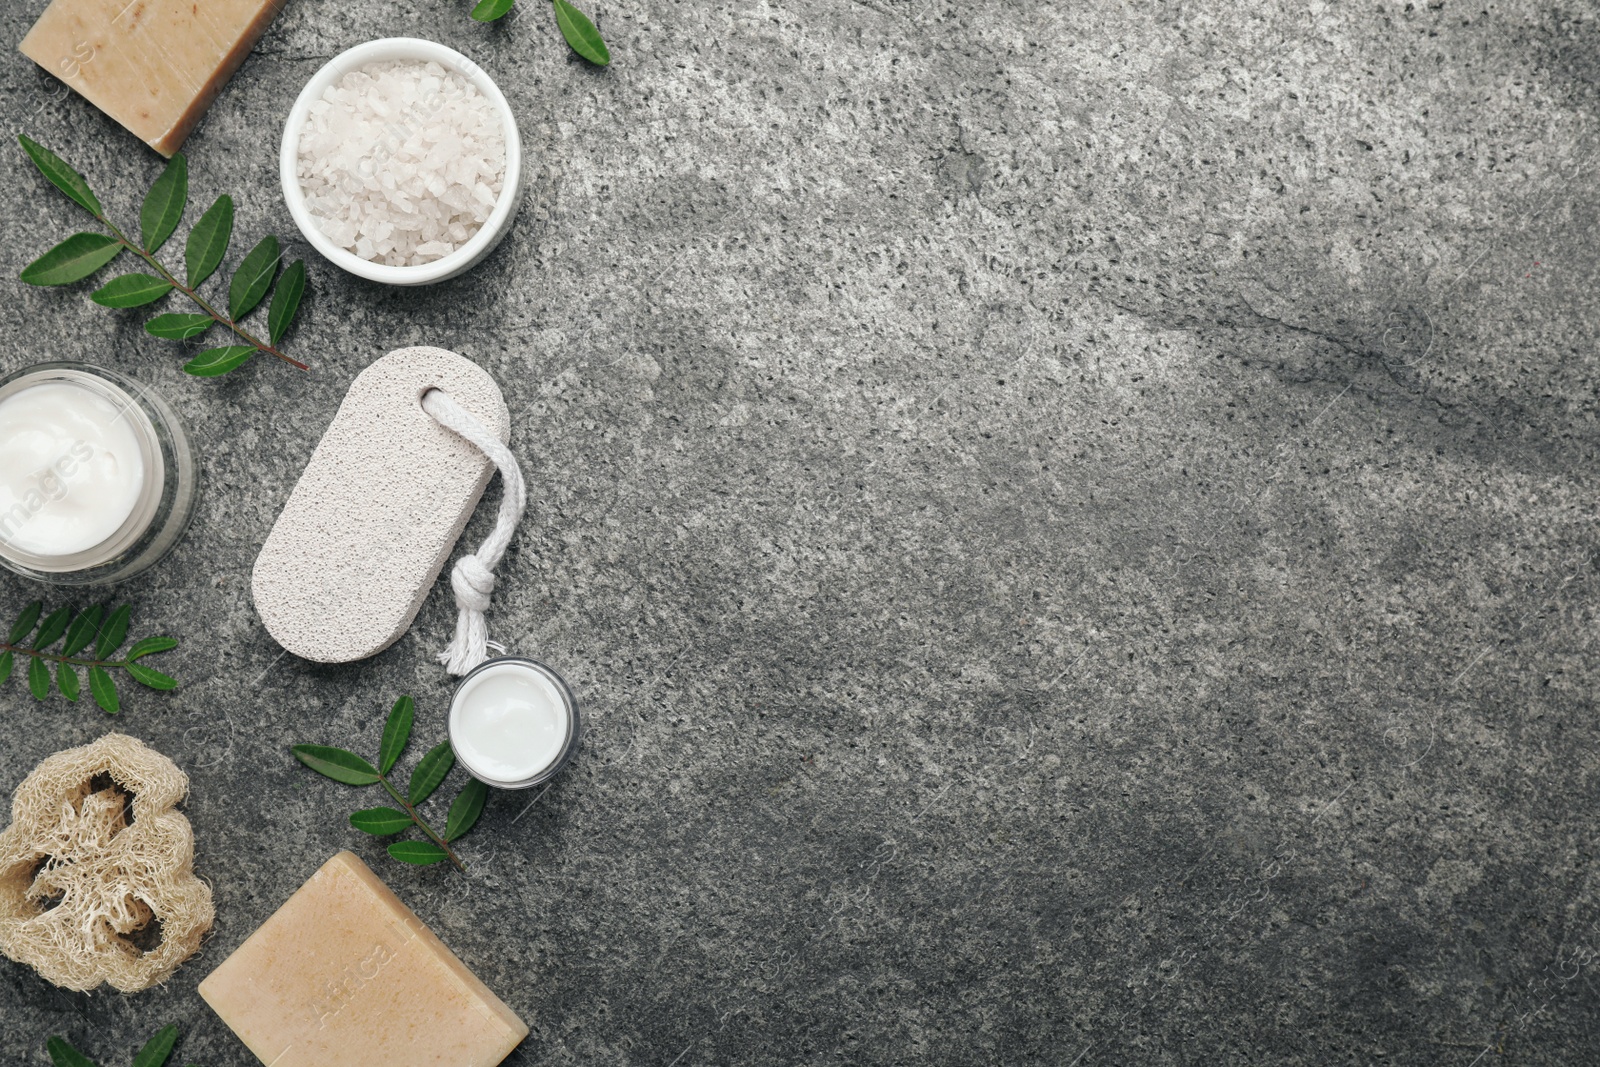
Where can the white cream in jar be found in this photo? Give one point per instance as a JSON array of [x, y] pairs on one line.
[[72, 469], [97, 479], [513, 722]]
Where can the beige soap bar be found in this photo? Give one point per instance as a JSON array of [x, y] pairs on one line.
[[344, 975], [153, 65]]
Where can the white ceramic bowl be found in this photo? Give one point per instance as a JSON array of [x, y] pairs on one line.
[[481, 243]]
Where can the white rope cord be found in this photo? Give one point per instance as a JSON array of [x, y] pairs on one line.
[[473, 576]]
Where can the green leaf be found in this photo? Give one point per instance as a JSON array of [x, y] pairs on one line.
[[421, 853], [113, 633], [158, 1048], [104, 690], [82, 630], [215, 362], [489, 10], [25, 623], [72, 260], [208, 241], [336, 763], [286, 300], [164, 204], [63, 177], [54, 625], [431, 770], [253, 278], [7, 662], [581, 34], [131, 291], [149, 676], [38, 678], [64, 1055], [67, 681], [396, 732], [150, 646], [466, 809], [380, 822], [176, 327]]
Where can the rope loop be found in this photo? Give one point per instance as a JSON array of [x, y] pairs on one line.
[[473, 576]]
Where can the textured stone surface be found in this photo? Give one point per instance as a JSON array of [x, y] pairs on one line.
[[1072, 527]]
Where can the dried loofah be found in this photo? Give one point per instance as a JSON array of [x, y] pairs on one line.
[[97, 870]]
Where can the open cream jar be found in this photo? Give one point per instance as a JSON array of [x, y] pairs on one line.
[[97, 481], [513, 723]]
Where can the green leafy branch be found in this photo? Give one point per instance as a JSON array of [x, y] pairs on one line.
[[429, 774], [154, 1054], [574, 25], [84, 254], [89, 639]]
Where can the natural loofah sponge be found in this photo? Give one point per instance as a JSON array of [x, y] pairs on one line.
[[97, 870]]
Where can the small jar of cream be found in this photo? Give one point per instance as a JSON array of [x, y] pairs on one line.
[[513, 723], [97, 480]]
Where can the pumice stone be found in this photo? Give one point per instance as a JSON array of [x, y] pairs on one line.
[[378, 509]]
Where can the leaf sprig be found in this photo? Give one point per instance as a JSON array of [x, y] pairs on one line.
[[89, 639], [575, 26], [84, 254], [429, 773], [155, 1053]]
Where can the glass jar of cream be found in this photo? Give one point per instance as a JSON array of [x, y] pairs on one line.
[[97, 480], [513, 723]]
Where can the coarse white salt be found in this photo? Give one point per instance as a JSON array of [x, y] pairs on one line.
[[402, 162]]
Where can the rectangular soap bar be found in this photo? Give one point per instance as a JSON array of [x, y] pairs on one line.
[[344, 975], [153, 65]]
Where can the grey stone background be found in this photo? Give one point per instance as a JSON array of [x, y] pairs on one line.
[[1072, 526]]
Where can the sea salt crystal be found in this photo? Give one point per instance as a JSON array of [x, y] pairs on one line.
[[402, 162]]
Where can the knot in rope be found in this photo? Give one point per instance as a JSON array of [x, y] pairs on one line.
[[473, 575]]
